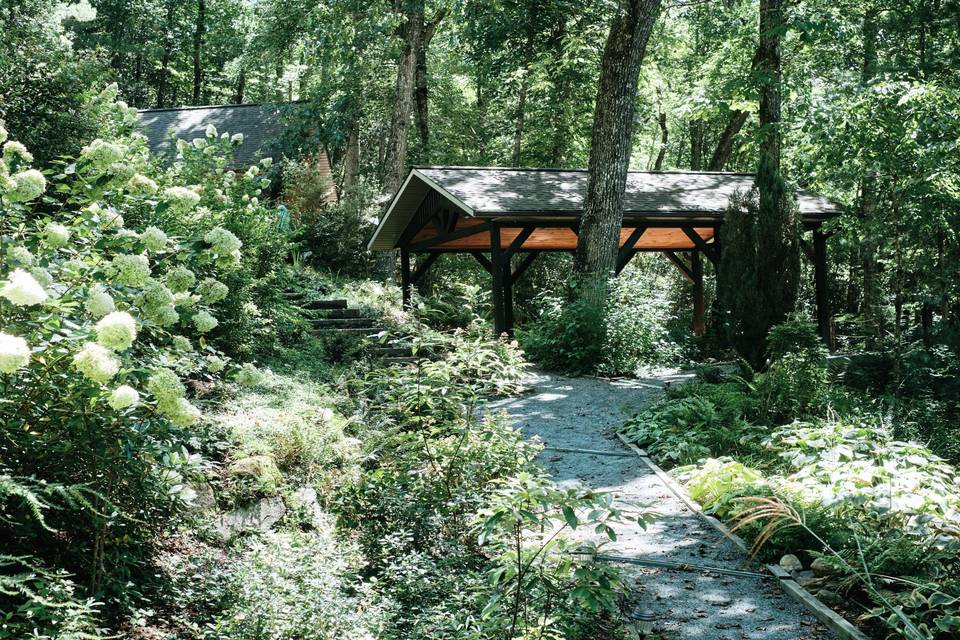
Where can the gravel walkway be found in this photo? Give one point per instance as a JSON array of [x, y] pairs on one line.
[[582, 413]]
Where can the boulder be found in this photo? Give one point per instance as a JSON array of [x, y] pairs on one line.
[[821, 568], [260, 516], [791, 563]]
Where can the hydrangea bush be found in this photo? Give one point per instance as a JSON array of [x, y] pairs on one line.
[[111, 284]]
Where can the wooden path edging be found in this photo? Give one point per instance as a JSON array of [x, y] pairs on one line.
[[833, 620]]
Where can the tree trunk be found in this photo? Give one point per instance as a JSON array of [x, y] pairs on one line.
[[724, 149], [661, 154], [696, 145], [395, 152], [241, 86], [351, 161], [612, 140], [165, 59], [421, 89], [521, 113], [870, 309], [778, 257], [197, 50]]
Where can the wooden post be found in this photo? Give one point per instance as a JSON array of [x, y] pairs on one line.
[[820, 283], [507, 297], [496, 259], [405, 283], [699, 327]]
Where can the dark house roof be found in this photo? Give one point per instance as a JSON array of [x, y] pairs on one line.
[[260, 125], [529, 194]]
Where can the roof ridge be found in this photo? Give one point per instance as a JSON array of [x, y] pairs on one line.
[[578, 170], [237, 105]]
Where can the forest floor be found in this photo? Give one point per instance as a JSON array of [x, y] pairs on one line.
[[583, 413]]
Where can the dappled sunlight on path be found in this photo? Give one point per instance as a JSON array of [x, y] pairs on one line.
[[583, 413]]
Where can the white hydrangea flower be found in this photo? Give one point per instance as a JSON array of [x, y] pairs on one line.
[[123, 396], [111, 219], [252, 172], [20, 255], [204, 322], [154, 294], [237, 138], [42, 276], [99, 303], [3, 134], [222, 241], [96, 362], [101, 154], [121, 171], [249, 375], [131, 269], [266, 163], [142, 185], [181, 198], [164, 316], [116, 330], [13, 149], [22, 289], [56, 235], [199, 143], [28, 185], [154, 239], [164, 384], [180, 412], [211, 290], [182, 343], [180, 279], [210, 131], [14, 353], [184, 299], [215, 364]]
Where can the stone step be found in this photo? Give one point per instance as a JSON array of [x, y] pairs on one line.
[[390, 352], [338, 313], [363, 331], [325, 304], [343, 322], [401, 360]]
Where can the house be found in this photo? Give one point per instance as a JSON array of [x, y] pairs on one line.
[[262, 126]]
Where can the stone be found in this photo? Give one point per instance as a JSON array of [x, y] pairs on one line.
[[204, 500], [306, 497], [790, 563], [830, 598], [260, 516], [821, 568], [805, 578]]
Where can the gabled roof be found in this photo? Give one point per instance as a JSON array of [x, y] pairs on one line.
[[525, 194], [260, 125]]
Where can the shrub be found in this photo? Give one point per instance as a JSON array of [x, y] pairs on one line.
[[567, 338]]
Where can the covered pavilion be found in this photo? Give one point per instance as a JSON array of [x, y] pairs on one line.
[[505, 218]]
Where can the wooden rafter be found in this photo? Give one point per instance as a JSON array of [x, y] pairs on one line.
[[453, 235], [680, 264]]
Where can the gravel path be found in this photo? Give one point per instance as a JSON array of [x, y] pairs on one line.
[[582, 413]]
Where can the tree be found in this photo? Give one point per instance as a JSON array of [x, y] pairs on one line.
[[759, 269], [198, 50], [612, 141]]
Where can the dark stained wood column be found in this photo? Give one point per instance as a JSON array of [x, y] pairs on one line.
[[405, 281], [496, 259], [507, 297], [696, 269], [820, 283]]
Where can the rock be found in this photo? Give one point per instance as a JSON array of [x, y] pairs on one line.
[[306, 497], [805, 578], [830, 598], [260, 516], [790, 563], [204, 500], [821, 568]]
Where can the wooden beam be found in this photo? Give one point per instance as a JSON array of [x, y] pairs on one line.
[[626, 252], [518, 242], [453, 235], [483, 260], [496, 260], [422, 267], [680, 264], [696, 268], [820, 285], [405, 282], [523, 266], [700, 244]]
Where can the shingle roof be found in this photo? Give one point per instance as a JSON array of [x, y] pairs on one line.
[[530, 193], [260, 125]]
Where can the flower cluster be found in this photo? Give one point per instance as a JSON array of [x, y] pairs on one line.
[[211, 290], [249, 375], [96, 362], [142, 185], [56, 235], [222, 241], [20, 256], [181, 198], [169, 391], [102, 154], [131, 269], [14, 353], [26, 186], [22, 289], [122, 397], [204, 322], [154, 239], [180, 279], [99, 303], [117, 330]]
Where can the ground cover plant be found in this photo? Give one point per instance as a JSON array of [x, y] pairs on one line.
[[819, 472]]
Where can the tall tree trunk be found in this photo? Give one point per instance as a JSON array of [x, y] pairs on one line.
[[724, 149], [871, 312], [696, 145], [778, 257], [662, 124], [351, 161], [164, 77], [612, 140], [241, 86], [198, 50], [421, 88], [521, 114]]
